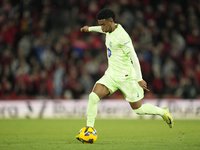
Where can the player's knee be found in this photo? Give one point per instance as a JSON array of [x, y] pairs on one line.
[[139, 110], [135, 105], [93, 97]]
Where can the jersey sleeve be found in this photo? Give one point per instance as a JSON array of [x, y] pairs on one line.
[[136, 65], [125, 43], [127, 47], [95, 29]]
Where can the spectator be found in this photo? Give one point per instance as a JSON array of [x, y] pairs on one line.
[[44, 54]]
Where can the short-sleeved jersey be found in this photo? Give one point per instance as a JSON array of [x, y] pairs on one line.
[[118, 45]]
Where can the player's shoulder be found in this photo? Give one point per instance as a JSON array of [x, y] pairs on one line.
[[123, 36], [121, 29]]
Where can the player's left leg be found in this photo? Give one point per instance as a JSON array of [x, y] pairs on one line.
[[103, 87], [99, 91]]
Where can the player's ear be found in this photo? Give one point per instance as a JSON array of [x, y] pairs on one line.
[[111, 20]]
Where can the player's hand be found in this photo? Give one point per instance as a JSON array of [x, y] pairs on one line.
[[85, 29], [143, 84]]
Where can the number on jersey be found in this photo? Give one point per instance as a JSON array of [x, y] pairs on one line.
[[108, 52]]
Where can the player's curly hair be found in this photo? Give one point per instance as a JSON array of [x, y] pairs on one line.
[[106, 14]]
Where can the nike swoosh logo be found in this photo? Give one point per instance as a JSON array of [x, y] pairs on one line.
[[137, 94], [170, 122]]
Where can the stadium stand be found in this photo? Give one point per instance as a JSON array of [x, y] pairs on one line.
[[43, 54]]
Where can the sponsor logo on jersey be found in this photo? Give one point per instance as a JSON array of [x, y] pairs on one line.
[[110, 44]]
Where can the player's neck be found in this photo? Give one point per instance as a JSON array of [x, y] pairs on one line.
[[113, 27]]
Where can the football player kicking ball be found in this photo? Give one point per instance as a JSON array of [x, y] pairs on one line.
[[123, 71]]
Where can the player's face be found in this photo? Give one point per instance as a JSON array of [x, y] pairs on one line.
[[105, 25]]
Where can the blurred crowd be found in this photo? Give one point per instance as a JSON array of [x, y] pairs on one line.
[[44, 55]]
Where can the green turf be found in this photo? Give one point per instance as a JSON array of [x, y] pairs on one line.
[[121, 134]]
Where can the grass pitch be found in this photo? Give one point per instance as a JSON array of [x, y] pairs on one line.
[[119, 134]]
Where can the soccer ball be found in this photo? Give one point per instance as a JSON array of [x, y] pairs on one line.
[[88, 135]]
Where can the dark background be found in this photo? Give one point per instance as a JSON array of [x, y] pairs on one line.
[[43, 54]]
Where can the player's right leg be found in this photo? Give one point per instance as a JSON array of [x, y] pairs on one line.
[[167, 117], [149, 109], [134, 95]]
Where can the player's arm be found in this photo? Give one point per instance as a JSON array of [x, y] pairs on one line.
[[85, 29], [129, 49], [136, 65], [92, 29]]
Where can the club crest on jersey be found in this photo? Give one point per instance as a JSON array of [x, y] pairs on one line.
[[110, 44]]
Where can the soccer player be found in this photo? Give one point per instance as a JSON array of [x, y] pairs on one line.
[[123, 71]]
